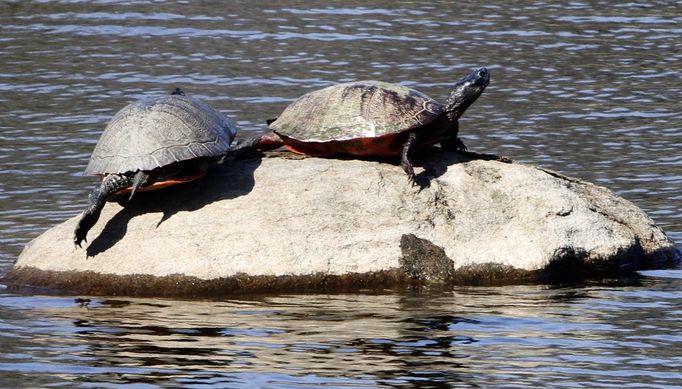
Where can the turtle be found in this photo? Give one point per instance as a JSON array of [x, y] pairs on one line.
[[372, 119], [153, 143]]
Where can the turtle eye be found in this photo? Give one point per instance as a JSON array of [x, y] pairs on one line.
[[481, 73]]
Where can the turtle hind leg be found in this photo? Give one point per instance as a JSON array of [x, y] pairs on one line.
[[110, 184], [266, 142], [406, 157]]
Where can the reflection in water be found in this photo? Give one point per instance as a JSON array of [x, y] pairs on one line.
[[589, 89], [524, 335]]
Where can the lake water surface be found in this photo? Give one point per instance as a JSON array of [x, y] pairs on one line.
[[591, 89]]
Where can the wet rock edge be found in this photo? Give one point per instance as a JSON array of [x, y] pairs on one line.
[[567, 268]]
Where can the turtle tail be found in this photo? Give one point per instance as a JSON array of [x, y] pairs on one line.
[[112, 183], [141, 178]]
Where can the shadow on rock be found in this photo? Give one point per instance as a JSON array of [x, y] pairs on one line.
[[438, 161], [223, 182]]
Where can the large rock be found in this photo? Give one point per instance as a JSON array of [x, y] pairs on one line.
[[307, 223]]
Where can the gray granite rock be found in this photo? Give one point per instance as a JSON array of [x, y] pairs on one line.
[[286, 223]]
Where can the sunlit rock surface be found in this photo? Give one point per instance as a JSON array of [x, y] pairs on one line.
[[280, 223]]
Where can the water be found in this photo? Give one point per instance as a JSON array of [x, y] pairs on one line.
[[468, 337], [590, 89]]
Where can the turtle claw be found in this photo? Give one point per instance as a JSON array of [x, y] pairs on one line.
[[412, 180], [79, 237]]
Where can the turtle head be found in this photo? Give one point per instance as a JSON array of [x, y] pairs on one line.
[[178, 92], [465, 92]]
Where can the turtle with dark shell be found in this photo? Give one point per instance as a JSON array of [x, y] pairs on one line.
[[151, 144], [372, 119]]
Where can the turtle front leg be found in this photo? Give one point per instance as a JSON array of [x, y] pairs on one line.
[[406, 157], [112, 183], [453, 143]]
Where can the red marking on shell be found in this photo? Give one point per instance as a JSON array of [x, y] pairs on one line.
[[385, 145]]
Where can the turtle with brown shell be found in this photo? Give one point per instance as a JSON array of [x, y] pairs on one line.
[[372, 119]]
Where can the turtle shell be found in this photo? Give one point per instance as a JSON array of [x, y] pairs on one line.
[[155, 132], [355, 110]]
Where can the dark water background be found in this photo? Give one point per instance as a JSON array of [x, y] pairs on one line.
[[591, 89]]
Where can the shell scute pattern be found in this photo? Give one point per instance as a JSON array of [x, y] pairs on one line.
[[362, 109], [152, 133]]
